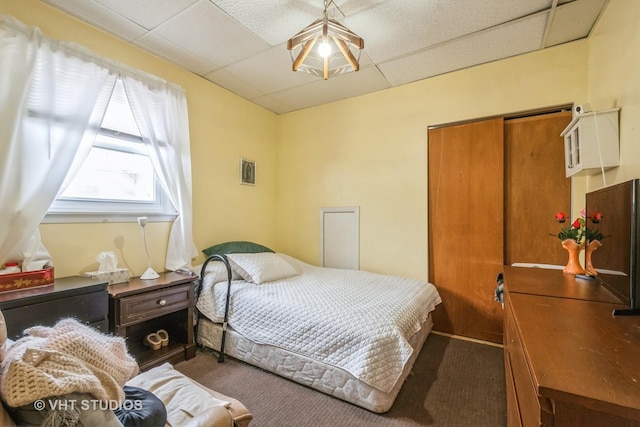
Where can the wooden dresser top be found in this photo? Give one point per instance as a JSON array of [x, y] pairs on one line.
[[553, 283], [577, 350]]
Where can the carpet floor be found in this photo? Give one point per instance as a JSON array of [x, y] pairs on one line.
[[453, 383]]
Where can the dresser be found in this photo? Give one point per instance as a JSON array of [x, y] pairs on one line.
[[82, 298], [141, 307], [568, 360]]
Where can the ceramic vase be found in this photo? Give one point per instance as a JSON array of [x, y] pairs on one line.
[[573, 264], [588, 250]]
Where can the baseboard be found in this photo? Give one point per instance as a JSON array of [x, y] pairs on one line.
[[460, 337]]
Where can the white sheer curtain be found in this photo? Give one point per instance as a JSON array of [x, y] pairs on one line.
[[52, 99], [160, 110]]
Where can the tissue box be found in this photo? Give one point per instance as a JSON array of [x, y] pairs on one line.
[[26, 279], [119, 275]]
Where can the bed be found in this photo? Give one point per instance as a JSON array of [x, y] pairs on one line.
[[354, 335]]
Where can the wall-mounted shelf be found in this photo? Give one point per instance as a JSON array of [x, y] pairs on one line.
[[591, 143]]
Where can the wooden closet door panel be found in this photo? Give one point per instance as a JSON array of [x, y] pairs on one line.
[[536, 188], [466, 226]]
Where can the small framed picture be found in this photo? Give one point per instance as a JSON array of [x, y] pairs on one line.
[[247, 172]]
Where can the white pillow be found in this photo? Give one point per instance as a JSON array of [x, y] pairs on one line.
[[218, 270], [261, 267]]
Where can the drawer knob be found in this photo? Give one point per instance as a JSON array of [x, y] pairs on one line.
[[162, 302]]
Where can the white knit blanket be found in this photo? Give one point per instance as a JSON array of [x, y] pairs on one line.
[[67, 358]]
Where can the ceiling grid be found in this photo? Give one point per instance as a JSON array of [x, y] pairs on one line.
[[241, 44]]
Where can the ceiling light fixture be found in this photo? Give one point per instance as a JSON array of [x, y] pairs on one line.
[[336, 51]]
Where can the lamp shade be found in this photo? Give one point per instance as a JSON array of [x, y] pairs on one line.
[[325, 48]]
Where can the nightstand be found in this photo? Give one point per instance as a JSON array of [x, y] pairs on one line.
[[82, 298], [141, 307]]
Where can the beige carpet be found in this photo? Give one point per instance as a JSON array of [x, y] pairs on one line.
[[453, 383]]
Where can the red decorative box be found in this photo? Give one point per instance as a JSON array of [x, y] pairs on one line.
[[26, 279]]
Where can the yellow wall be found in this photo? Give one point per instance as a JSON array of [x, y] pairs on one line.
[[614, 81], [370, 152], [613, 70], [223, 127]]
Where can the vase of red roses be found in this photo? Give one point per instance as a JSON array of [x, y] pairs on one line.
[[576, 237]]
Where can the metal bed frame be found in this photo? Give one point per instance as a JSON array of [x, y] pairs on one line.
[[216, 257]]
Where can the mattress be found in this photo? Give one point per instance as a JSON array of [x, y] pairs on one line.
[[320, 376], [351, 334]]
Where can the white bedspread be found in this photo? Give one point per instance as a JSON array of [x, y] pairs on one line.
[[354, 320]]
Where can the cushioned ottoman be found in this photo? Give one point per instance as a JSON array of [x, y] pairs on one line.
[[189, 403]]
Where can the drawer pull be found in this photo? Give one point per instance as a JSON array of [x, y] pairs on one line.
[[162, 302]]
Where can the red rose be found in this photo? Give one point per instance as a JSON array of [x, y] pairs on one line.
[[561, 217], [576, 224]]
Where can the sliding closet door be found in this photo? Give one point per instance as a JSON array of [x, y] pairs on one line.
[[466, 235], [536, 188]]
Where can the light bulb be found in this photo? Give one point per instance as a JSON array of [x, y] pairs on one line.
[[324, 49]]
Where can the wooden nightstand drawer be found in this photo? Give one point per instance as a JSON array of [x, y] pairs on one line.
[[154, 304]]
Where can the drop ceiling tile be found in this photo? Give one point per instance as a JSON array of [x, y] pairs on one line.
[[573, 21], [500, 42], [101, 17], [353, 7], [147, 13], [208, 32], [274, 21], [233, 83], [175, 54], [395, 28], [239, 44], [277, 21], [272, 104], [334, 89]]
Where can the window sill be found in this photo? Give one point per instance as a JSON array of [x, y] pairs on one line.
[[70, 218]]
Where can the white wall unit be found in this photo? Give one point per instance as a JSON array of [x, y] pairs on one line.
[[591, 143], [340, 237]]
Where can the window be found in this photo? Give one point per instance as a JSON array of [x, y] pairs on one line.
[[116, 182]]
